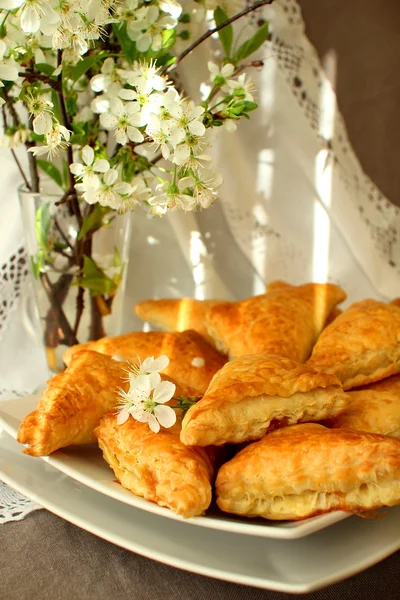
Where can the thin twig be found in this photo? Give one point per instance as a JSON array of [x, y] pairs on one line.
[[210, 32], [24, 177], [33, 170], [39, 77], [60, 231]]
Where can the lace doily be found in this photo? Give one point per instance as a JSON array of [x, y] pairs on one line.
[[14, 506], [310, 213]]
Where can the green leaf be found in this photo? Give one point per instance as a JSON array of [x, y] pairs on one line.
[[85, 64], [225, 34], [50, 170], [95, 279], [168, 38], [36, 265], [35, 137], [44, 68], [253, 43], [42, 225], [117, 258], [71, 105], [127, 45], [56, 106], [94, 220]]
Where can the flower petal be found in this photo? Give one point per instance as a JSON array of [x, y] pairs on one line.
[[165, 415], [123, 416], [101, 166], [88, 155], [143, 42], [8, 72], [153, 424], [197, 128], [163, 392], [134, 134], [108, 120], [111, 176], [160, 363]]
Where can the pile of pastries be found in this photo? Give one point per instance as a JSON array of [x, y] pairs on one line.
[[297, 412]]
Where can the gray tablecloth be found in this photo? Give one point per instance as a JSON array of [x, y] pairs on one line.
[[46, 558]]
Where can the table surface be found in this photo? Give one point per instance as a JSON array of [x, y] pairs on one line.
[[44, 557]]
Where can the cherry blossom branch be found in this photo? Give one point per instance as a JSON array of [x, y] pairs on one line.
[[211, 32]]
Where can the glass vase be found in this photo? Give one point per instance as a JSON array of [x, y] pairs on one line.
[[78, 257]]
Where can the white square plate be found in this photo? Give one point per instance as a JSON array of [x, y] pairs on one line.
[[86, 465], [295, 566]]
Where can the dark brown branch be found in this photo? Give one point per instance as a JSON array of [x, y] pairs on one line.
[[33, 170], [69, 336], [210, 32], [61, 232], [34, 76]]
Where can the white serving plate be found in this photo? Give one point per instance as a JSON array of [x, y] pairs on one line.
[[295, 566], [86, 465]]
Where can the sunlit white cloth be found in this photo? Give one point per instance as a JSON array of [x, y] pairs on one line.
[[295, 205]]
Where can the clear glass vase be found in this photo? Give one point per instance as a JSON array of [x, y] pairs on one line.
[[78, 257]]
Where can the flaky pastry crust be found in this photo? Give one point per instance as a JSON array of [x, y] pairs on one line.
[[362, 345], [72, 404], [157, 466], [253, 394], [306, 470], [374, 408], [181, 348], [285, 321], [177, 314]]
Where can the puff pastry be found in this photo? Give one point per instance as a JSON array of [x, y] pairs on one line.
[[306, 470], [181, 348], [252, 395], [362, 345], [177, 314], [73, 403], [375, 408], [285, 321], [157, 466]]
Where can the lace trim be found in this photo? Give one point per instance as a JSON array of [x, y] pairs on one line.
[[14, 506], [12, 276]]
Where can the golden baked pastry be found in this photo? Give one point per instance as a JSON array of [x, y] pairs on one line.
[[306, 470], [157, 466], [362, 345], [192, 364], [375, 408], [285, 321], [73, 403], [252, 395], [176, 314]]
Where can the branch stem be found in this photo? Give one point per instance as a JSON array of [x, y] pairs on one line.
[[211, 32]]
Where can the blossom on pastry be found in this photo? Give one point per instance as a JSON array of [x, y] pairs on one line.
[[147, 395]]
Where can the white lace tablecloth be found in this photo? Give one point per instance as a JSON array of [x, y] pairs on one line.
[[295, 205]]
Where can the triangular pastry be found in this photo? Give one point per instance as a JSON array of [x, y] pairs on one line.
[[72, 404], [305, 470], [157, 466], [362, 345], [252, 395], [176, 314], [375, 408], [285, 321], [192, 364]]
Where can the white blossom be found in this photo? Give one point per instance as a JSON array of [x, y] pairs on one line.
[[8, 68], [56, 140], [221, 76], [146, 30], [147, 395], [87, 171], [108, 191], [123, 119], [242, 88]]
